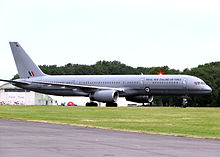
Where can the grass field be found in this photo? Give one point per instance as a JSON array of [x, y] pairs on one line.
[[189, 122]]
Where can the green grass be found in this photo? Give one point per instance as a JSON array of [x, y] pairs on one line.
[[189, 122]]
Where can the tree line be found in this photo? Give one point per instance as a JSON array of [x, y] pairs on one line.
[[210, 73]]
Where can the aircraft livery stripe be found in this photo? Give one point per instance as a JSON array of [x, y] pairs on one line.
[[29, 73], [32, 73]]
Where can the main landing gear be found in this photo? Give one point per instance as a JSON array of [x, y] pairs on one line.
[[108, 104], [111, 104], [91, 104]]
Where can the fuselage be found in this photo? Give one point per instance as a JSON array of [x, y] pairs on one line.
[[132, 85]]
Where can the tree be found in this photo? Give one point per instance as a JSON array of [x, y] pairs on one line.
[[210, 73]]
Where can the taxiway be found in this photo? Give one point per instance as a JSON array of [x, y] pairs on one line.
[[20, 138]]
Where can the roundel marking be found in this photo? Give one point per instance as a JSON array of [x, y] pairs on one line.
[[147, 89]]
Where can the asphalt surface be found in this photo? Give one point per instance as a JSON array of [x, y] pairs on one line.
[[34, 139]]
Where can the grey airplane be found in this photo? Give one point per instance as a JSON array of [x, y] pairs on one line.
[[103, 88]]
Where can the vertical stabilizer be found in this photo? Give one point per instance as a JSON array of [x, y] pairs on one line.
[[26, 67]]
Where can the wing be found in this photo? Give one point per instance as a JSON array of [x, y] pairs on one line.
[[16, 82], [84, 88]]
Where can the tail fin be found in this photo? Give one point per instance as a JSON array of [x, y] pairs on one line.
[[26, 67]]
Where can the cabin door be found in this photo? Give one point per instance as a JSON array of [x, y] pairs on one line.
[[142, 83], [184, 83]]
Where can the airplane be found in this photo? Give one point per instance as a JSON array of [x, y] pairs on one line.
[[103, 88]]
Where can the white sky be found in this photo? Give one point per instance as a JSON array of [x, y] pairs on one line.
[[177, 33]]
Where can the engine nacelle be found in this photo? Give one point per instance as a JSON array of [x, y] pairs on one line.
[[141, 98], [104, 96]]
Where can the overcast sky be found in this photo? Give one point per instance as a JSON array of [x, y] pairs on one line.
[[178, 33]]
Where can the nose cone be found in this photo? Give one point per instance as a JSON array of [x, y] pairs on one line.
[[207, 89]]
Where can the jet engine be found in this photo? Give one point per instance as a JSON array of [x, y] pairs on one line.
[[141, 98], [104, 96]]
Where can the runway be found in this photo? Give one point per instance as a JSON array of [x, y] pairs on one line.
[[34, 139]]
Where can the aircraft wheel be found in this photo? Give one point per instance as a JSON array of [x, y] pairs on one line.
[[91, 104], [111, 104]]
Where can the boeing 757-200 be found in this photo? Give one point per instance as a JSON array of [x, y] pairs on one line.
[[103, 88]]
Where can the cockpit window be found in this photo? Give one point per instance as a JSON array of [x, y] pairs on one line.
[[199, 83]]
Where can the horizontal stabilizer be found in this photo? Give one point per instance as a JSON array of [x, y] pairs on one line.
[[15, 82]]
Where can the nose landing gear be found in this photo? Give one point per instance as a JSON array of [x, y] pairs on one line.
[[185, 102]]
